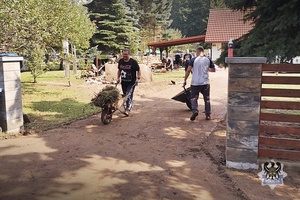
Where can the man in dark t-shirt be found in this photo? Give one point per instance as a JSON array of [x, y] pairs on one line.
[[129, 71], [186, 59]]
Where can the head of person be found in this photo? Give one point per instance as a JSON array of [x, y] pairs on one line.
[[126, 55], [199, 50], [187, 51]]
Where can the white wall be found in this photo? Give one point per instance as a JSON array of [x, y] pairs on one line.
[[216, 50], [296, 60]]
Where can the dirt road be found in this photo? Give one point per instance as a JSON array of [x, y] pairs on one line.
[[155, 153]]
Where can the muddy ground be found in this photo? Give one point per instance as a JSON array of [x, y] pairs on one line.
[[155, 153]]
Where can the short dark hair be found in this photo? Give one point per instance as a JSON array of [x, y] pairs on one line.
[[126, 50], [200, 48]]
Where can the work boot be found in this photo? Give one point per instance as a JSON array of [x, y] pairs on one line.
[[126, 112], [194, 115]]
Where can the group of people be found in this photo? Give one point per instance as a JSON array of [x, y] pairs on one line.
[[129, 74], [169, 63]]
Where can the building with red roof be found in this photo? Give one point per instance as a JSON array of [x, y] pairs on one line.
[[224, 24]]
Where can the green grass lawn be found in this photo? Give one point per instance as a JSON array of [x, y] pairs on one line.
[[176, 75], [52, 101]]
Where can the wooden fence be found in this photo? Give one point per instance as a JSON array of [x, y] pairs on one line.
[[279, 131]]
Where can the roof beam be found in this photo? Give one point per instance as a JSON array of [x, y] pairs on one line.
[[180, 41]]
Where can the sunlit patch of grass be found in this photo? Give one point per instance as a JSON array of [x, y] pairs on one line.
[[52, 101], [175, 75]]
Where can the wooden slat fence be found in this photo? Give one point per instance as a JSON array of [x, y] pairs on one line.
[[279, 132]]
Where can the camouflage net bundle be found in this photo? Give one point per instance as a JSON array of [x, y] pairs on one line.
[[108, 95]]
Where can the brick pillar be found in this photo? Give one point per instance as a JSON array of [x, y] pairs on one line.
[[11, 114], [244, 85]]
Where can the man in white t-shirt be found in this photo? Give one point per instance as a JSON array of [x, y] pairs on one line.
[[200, 66]]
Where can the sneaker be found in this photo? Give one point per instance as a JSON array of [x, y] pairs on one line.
[[126, 113], [207, 117], [194, 115]]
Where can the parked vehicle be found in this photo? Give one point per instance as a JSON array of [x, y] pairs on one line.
[[178, 60]]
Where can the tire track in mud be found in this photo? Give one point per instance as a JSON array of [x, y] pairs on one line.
[[220, 160]]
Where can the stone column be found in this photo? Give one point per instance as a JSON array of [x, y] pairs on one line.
[[244, 85], [11, 114]]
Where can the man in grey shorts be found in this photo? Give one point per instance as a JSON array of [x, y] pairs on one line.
[[200, 66]]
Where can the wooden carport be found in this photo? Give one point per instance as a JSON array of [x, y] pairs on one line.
[[163, 45]]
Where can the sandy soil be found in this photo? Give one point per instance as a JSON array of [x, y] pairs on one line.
[[155, 153]]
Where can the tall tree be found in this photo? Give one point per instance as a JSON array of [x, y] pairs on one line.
[[190, 16], [276, 28], [113, 25], [33, 27], [133, 12], [217, 4], [155, 17]]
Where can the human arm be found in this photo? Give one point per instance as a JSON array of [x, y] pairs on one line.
[[211, 66], [137, 69], [139, 74], [118, 76], [187, 73], [118, 73]]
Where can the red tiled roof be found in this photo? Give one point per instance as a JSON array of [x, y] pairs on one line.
[[225, 24]]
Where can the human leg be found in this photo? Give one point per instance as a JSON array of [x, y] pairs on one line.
[[194, 101], [129, 91], [205, 91]]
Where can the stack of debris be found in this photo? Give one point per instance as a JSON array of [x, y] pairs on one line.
[[108, 95]]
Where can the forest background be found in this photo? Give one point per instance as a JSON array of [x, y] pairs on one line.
[[36, 29]]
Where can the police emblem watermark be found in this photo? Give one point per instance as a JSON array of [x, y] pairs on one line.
[[272, 174]]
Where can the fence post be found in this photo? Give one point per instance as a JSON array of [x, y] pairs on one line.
[[244, 85], [11, 113]]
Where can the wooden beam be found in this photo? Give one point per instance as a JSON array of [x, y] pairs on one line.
[[279, 117], [280, 154], [280, 92], [273, 130], [279, 143], [179, 41], [280, 105], [281, 67], [280, 80]]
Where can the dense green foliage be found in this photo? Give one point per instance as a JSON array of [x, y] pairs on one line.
[[128, 23], [149, 21], [31, 25], [190, 16], [33, 28], [276, 28], [113, 27]]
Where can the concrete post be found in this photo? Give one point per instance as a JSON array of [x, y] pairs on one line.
[[11, 114], [244, 85]]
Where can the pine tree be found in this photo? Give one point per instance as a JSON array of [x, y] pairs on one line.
[[155, 17], [190, 16], [113, 27], [276, 28]]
